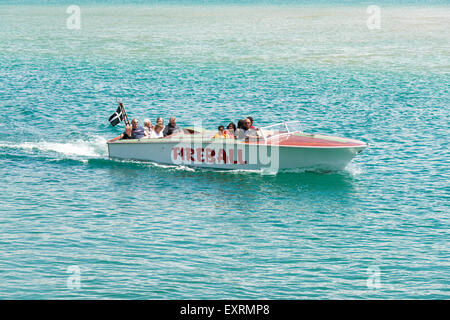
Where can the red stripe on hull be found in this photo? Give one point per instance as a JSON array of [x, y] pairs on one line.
[[304, 141]]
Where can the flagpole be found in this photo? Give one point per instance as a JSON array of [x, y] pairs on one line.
[[125, 116], [127, 122]]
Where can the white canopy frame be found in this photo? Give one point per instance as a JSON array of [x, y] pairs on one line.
[[290, 127]]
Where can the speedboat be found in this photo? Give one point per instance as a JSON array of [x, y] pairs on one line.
[[282, 146]]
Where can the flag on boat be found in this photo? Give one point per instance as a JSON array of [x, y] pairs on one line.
[[116, 117]]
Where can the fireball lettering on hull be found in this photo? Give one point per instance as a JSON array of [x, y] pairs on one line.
[[240, 157], [222, 156], [200, 155], [188, 155], [175, 154], [210, 153]]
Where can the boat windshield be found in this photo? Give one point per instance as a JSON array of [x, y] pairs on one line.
[[282, 128]]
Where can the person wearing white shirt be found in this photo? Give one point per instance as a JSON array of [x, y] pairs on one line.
[[157, 132], [148, 128]]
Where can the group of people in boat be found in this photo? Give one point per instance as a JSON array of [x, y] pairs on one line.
[[149, 131], [244, 129]]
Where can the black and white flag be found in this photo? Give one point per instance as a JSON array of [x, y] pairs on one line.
[[116, 117]]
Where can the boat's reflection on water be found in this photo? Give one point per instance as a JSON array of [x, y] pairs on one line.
[[231, 181]]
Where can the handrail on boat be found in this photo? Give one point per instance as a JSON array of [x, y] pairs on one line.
[[285, 124]]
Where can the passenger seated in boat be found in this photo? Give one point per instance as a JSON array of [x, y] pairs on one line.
[[239, 133], [157, 132], [128, 133], [137, 132], [244, 130], [251, 130], [148, 128], [125, 135], [231, 128], [251, 123], [222, 134], [171, 128], [160, 121]]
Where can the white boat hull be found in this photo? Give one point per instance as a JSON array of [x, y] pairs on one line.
[[234, 155]]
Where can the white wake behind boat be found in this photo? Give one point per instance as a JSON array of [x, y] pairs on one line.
[[283, 146]]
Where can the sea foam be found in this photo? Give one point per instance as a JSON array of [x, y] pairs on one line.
[[84, 148]]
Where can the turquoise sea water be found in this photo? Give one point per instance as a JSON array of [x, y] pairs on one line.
[[145, 231]]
